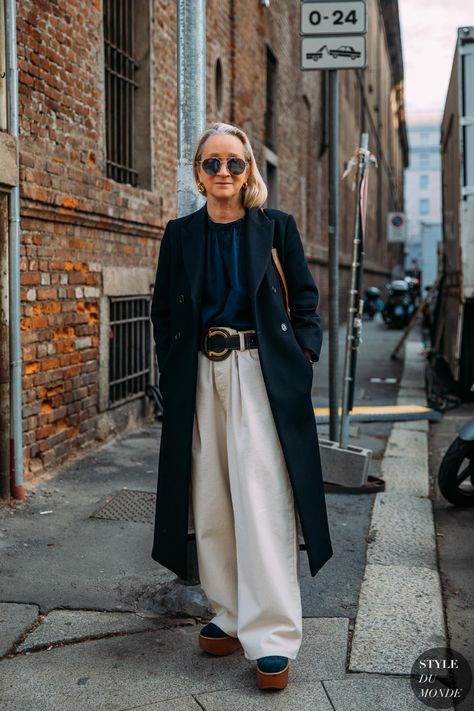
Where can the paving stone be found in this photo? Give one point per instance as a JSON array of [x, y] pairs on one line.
[[409, 476], [323, 651], [413, 425], [118, 673], [406, 443], [400, 616], [110, 674], [402, 531], [187, 703], [296, 697], [15, 620], [67, 625], [364, 692]]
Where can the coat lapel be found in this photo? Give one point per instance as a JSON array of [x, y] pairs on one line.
[[259, 247], [193, 243]]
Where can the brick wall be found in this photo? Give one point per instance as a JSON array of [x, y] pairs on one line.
[[76, 223]]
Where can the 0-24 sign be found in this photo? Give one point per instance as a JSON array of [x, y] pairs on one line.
[[338, 18]]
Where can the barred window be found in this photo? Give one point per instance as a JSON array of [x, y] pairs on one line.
[[127, 91], [129, 347]]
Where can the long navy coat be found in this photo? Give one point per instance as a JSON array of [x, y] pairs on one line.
[[175, 314]]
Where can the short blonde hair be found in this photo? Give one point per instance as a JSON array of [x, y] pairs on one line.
[[256, 191]]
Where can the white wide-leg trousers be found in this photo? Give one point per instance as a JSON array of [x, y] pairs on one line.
[[243, 509]]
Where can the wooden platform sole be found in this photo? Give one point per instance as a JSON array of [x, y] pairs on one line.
[[272, 680], [219, 646]]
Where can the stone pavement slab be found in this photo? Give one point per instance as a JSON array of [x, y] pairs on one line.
[[296, 697], [68, 625], [402, 531], [400, 616], [403, 474], [15, 620], [175, 704], [367, 692], [123, 672]]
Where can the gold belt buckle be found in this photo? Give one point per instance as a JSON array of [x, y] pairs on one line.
[[216, 355]]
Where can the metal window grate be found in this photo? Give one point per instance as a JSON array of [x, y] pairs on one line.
[[120, 87], [129, 347]]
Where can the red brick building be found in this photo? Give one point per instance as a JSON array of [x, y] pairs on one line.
[[97, 88]]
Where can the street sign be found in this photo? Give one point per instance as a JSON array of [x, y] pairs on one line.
[[329, 52], [338, 18], [396, 227]]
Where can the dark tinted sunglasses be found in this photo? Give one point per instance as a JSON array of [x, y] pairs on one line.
[[212, 166]]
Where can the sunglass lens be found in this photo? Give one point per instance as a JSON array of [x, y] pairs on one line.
[[236, 166], [211, 166]]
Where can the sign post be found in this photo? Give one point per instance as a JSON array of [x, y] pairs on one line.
[[333, 38]]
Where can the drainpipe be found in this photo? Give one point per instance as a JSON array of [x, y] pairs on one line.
[[4, 355], [17, 490]]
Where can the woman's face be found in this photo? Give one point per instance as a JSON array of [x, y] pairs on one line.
[[224, 186]]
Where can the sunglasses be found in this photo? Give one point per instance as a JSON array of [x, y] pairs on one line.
[[212, 166]]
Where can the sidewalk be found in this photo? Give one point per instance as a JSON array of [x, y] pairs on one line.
[[90, 622]]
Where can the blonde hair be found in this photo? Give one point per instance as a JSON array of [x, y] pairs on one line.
[[255, 194]]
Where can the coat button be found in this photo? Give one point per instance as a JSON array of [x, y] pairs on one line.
[[177, 336], [284, 327], [274, 289], [181, 298]]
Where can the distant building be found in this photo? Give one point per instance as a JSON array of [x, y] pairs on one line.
[[423, 194]]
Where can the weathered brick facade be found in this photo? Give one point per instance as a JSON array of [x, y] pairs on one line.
[[85, 237]]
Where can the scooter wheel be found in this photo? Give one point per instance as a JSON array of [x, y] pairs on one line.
[[456, 473]]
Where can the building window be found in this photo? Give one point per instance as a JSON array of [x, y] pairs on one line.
[[424, 181], [271, 101], [3, 82], [127, 91], [129, 347], [424, 206], [425, 160]]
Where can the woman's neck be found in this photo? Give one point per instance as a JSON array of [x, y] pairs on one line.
[[222, 212]]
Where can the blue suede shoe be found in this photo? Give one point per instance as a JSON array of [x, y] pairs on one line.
[[215, 641], [272, 672], [212, 630]]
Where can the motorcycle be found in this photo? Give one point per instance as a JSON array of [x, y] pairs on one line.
[[373, 302], [456, 471], [399, 307]]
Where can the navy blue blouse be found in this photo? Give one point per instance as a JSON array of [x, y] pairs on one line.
[[225, 300]]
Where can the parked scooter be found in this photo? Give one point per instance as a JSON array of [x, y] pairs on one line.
[[373, 302], [456, 471], [399, 307]]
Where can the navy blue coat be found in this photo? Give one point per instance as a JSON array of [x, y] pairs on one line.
[[288, 375]]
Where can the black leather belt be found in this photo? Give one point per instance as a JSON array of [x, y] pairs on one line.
[[217, 343]]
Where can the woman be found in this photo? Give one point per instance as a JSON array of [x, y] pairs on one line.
[[239, 452]]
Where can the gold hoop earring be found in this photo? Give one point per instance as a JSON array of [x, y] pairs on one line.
[[201, 188]]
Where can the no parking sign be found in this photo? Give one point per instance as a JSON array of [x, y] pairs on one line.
[[396, 227]]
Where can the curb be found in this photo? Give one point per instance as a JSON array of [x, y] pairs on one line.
[[400, 613]]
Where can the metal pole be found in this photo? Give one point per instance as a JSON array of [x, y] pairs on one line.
[[191, 41], [353, 307], [14, 256], [4, 354], [333, 240]]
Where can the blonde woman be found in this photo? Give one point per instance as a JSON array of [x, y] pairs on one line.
[[239, 450]]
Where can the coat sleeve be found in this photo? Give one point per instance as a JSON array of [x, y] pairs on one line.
[[303, 292], [160, 305]]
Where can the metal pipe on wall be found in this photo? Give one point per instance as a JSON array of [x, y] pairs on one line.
[[14, 259], [4, 353], [191, 60]]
